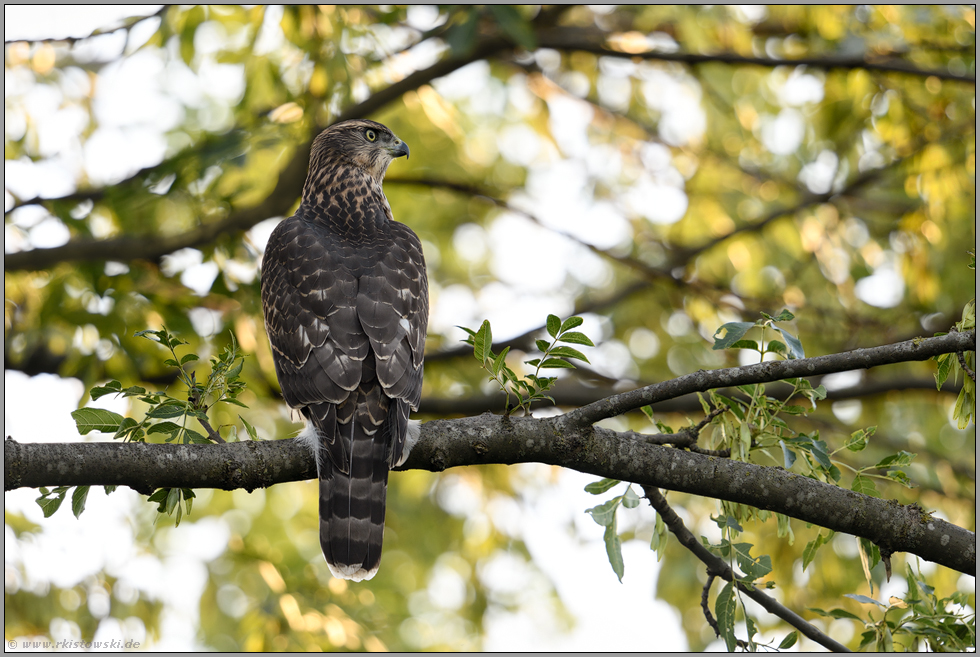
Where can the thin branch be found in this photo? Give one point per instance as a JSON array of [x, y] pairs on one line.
[[283, 196], [594, 41], [688, 436], [966, 368], [702, 381], [126, 24], [718, 568], [685, 256]]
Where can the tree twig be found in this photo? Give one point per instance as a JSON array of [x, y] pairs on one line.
[[282, 197], [595, 42], [966, 368], [702, 381], [717, 567]]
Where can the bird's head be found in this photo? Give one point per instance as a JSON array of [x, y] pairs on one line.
[[367, 145]]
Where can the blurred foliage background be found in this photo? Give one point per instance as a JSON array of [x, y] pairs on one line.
[[658, 170]]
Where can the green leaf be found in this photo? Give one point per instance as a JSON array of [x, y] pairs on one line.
[[819, 451], [789, 456], [865, 486], [900, 477], [167, 410], [96, 419], [556, 363], [252, 433], [745, 344], [896, 460], [859, 439], [730, 333], [125, 427], [570, 323], [234, 371], [733, 404], [788, 641], [108, 389], [725, 615], [542, 345], [630, 499], [568, 352], [515, 27], [133, 391], [51, 504], [163, 427], [810, 550], [784, 316], [173, 499], [942, 371], [498, 362], [614, 550], [232, 400], [605, 514], [601, 486], [776, 347], [482, 342], [834, 613], [188, 358], [193, 437], [863, 599], [794, 344], [553, 325], [574, 337], [728, 522], [78, 498]]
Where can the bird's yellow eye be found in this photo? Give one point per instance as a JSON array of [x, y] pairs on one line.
[[371, 135]]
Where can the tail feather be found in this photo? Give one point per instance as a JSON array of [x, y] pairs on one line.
[[352, 503]]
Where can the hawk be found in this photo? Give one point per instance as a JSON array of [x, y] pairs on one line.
[[345, 300]]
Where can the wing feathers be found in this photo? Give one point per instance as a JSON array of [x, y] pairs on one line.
[[345, 299]]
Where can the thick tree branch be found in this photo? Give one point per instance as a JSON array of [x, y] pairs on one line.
[[493, 439], [568, 440], [717, 567]]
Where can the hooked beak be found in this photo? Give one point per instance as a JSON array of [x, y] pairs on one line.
[[399, 149]]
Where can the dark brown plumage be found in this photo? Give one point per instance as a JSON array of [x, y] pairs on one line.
[[345, 299]]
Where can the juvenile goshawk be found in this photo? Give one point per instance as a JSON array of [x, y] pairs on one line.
[[345, 299]]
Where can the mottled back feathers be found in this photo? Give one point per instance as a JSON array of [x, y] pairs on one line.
[[345, 299]]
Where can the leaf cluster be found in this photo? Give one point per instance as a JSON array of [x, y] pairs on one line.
[[532, 387], [167, 417], [605, 516], [919, 620], [964, 410]]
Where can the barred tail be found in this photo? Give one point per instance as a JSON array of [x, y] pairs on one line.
[[352, 503]]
